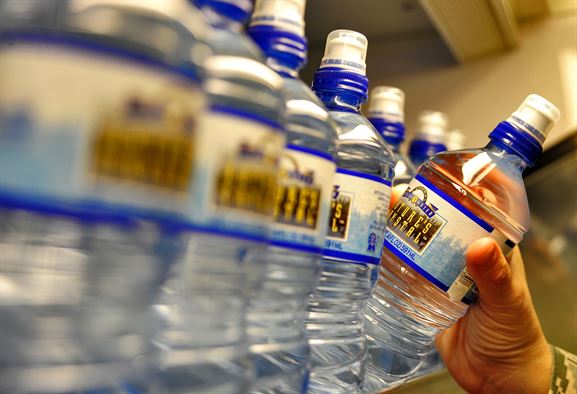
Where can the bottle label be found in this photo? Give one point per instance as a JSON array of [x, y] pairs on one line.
[[79, 124], [430, 231], [125, 149], [358, 217], [131, 134], [235, 175], [302, 200]]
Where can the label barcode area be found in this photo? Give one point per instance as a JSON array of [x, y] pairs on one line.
[[461, 287], [465, 279]]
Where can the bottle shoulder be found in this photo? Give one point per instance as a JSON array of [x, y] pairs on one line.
[[245, 87], [354, 128], [307, 121], [226, 43], [296, 89], [404, 169], [360, 144], [495, 185]]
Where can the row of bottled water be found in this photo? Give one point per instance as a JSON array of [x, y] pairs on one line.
[[180, 213]]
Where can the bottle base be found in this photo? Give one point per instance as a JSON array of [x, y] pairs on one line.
[[280, 372], [386, 368], [69, 284], [201, 346], [276, 315], [335, 327]]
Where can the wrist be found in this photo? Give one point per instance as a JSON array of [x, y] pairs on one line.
[[541, 372], [564, 368]]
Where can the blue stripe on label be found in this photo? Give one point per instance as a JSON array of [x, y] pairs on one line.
[[413, 265], [297, 247], [486, 226], [225, 233], [353, 257], [314, 152], [363, 175], [85, 211], [91, 211], [246, 115]]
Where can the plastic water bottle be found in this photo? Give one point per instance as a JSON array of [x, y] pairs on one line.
[[94, 127], [203, 345], [433, 362], [455, 140], [430, 138], [291, 262], [455, 199], [386, 113], [357, 220], [228, 18]]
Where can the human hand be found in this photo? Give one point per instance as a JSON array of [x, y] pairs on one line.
[[498, 346]]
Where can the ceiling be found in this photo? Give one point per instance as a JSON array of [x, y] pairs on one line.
[[376, 19]]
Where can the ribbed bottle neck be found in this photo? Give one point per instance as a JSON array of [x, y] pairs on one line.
[[513, 159], [341, 90], [343, 102], [286, 52], [516, 141]]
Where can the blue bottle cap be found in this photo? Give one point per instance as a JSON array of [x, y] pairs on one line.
[[524, 132]]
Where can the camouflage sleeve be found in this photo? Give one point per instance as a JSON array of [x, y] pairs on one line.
[[564, 372]]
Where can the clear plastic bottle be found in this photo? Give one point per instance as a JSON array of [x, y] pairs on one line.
[[203, 345], [455, 141], [361, 193], [291, 262], [386, 113], [430, 138], [81, 100], [455, 198], [228, 37]]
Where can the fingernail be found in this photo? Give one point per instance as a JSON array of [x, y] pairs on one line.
[[483, 249]]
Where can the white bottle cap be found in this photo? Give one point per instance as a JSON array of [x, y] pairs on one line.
[[432, 127], [387, 102], [537, 116], [285, 14], [455, 140], [346, 49]]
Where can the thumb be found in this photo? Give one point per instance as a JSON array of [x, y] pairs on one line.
[[491, 272]]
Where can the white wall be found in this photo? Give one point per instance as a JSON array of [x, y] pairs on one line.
[[477, 96]]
